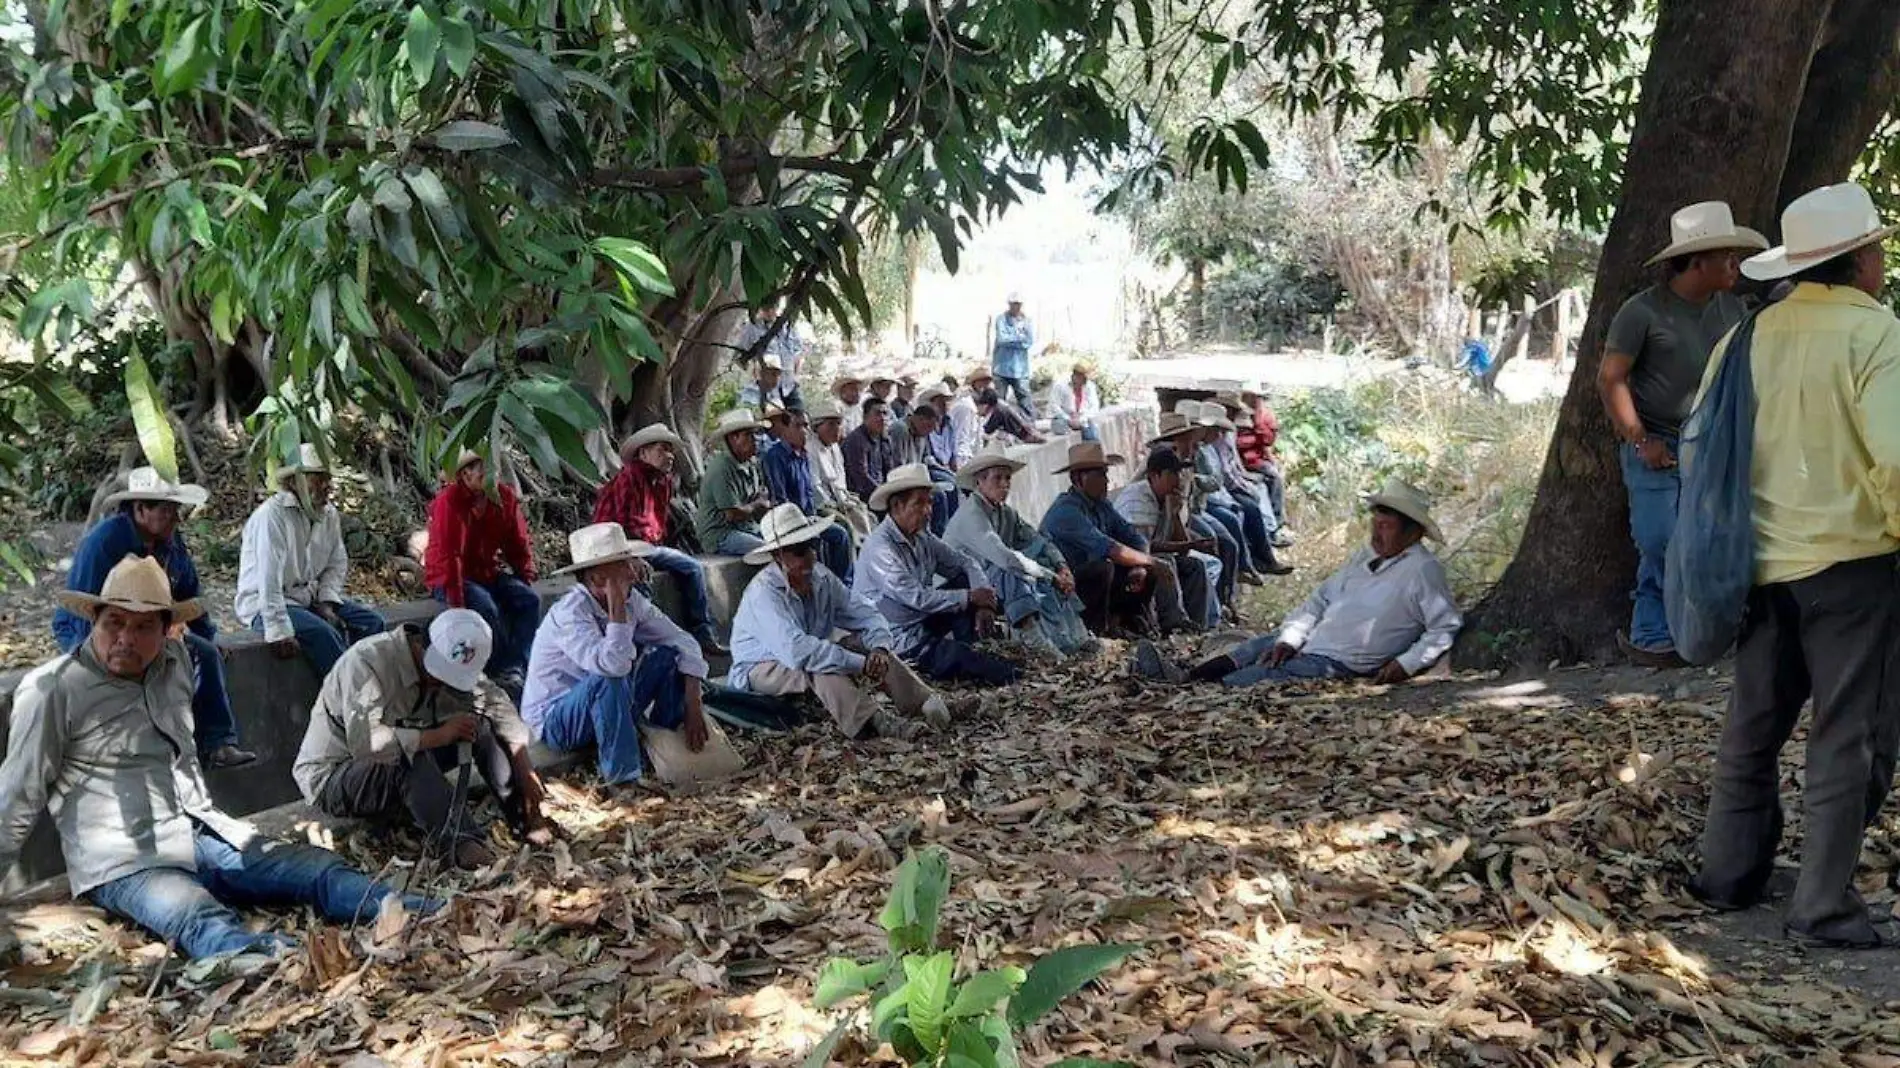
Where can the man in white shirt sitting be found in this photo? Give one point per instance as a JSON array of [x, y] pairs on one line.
[[1387, 615], [291, 568], [1075, 403]]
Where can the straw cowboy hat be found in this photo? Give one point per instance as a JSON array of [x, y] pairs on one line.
[[1834, 220], [845, 380], [136, 584], [901, 480], [1706, 227], [651, 434], [601, 543], [1173, 425], [308, 462], [822, 409], [734, 421], [928, 394], [144, 484], [977, 374], [989, 457], [784, 527], [1229, 398], [1086, 455], [1409, 501], [1207, 414]]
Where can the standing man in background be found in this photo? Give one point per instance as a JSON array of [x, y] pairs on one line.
[[786, 344], [1012, 335], [1653, 358]]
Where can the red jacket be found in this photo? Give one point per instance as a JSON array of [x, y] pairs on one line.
[[637, 498], [1255, 443], [466, 546]]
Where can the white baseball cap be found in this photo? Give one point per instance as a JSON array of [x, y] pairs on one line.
[[459, 644]]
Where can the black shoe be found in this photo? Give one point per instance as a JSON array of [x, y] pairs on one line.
[[1150, 664], [709, 646], [1720, 904], [1213, 669], [229, 756], [1277, 568], [1871, 940]]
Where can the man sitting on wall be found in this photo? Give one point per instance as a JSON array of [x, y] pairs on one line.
[[640, 499]]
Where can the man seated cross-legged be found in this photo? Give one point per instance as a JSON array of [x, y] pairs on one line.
[[102, 738]]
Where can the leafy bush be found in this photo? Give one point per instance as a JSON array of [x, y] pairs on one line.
[[1277, 302], [917, 1004]]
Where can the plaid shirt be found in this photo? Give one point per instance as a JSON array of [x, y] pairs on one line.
[[637, 498]]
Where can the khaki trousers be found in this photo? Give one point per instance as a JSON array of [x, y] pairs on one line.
[[846, 697]]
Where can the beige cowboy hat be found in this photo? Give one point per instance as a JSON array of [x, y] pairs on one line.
[[1085, 455], [989, 457], [734, 421], [469, 456], [900, 480], [1229, 398], [136, 584], [651, 434], [1173, 425], [845, 380], [145, 484], [784, 527], [1831, 221], [822, 409], [978, 373], [1706, 227], [1205, 414], [308, 462], [928, 394], [601, 543], [1409, 501]]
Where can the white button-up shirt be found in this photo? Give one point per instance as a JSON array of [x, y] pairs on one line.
[[577, 640], [1062, 400], [288, 557], [1363, 617]]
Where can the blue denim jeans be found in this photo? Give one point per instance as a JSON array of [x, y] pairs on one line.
[[196, 911], [738, 543], [513, 612], [1228, 518], [692, 584], [1226, 549], [605, 711], [1018, 388], [1298, 666], [1200, 582], [943, 499], [834, 548], [321, 643], [213, 723], [1653, 496]]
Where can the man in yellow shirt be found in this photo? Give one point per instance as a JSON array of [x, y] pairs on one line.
[[1821, 620]]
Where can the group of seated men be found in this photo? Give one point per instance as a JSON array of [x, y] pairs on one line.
[[404, 717]]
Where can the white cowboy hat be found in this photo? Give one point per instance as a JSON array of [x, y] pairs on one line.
[[144, 484], [901, 479], [734, 421], [1173, 425], [459, 644], [929, 393], [1706, 227], [784, 527], [1206, 415], [1015, 297], [979, 372], [651, 434], [1409, 501], [308, 462], [845, 380], [469, 456], [990, 456], [601, 543], [1831, 221], [1088, 454], [822, 409], [136, 584]]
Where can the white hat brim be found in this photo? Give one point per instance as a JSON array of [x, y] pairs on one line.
[[1411, 510], [185, 495], [459, 677], [634, 551], [1742, 238], [813, 529], [1778, 263], [966, 475], [88, 605], [888, 490]]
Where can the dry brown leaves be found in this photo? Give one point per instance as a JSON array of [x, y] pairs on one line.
[[1448, 875]]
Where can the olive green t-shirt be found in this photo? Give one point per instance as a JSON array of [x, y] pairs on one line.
[[1669, 339], [727, 484]]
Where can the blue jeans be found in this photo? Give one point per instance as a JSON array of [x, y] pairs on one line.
[[692, 583], [943, 499], [834, 548], [213, 723], [513, 612], [1018, 388], [1228, 518], [196, 911], [1200, 576], [1653, 496], [737, 543], [321, 643], [1298, 666], [605, 711], [1226, 549]]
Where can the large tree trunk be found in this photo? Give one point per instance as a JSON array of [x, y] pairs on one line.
[[1717, 113], [1851, 88]]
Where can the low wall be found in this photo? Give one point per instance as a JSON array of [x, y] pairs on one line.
[[1124, 432]]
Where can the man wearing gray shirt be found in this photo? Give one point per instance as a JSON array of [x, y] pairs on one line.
[[1653, 359]]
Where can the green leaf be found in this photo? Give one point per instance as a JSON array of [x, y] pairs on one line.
[[154, 427], [458, 44], [985, 990], [468, 135], [421, 38], [1057, 975], [928, 980], [911, 914], [184, 62], [967, 1047], [996, 1029], [889, 1012], [222, 1039], [529, 432], [435, 199], [841, 979], [637, 263], [820, 1055]]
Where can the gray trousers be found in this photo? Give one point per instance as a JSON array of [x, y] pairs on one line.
[[1830, 637], [424, 788]]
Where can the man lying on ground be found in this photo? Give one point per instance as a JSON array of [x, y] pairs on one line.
[[395, 719], [1387, 615], [102, 737], [800, 629], [609, 670]]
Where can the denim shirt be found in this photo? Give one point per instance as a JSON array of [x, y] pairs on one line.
[[1085, 530], [113, 539], [775, 625]]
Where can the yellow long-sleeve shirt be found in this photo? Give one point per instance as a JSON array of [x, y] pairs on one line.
[[1826, 474]]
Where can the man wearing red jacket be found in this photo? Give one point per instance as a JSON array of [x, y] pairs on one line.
[[471, 536], [1257, 430], [640, 499]]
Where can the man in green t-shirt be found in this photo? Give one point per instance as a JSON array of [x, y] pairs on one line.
[[1653, 359], [732, 496]]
